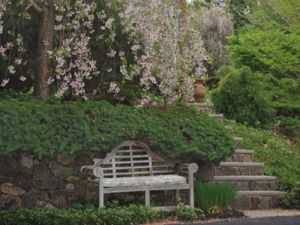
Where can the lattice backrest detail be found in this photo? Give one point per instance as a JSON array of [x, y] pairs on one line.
[[134, 158]]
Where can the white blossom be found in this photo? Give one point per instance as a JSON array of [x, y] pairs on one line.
[[113, 88], [22, 78], [4, 82], [111, 54], [11, 69]]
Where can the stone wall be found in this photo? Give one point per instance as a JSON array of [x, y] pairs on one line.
[[26, 181]]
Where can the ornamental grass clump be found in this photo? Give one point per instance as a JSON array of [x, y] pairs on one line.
[[209, 195]]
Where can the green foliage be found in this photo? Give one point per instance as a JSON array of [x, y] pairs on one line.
[[281, 158], [237, 9], [268, 51], [47, 129], [211, 195], [281, 14], [132, 214], [271, 41], [284, 94], [186, 213], [240, 97], [289, 127]]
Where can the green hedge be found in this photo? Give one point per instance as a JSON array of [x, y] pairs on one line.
[[47, 129], [133, 214]]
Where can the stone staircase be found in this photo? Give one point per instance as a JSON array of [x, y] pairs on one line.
[[255, 190]]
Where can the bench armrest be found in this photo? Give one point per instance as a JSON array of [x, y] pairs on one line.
[[98, 172], [187, 170], [91, 167]]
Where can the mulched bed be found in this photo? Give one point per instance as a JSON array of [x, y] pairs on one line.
[[223, 214]]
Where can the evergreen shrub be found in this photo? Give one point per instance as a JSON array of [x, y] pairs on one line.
[[69, 128], [290, 127], [240, 97]]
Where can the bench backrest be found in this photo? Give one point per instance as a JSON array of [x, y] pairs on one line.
[[133, 158]]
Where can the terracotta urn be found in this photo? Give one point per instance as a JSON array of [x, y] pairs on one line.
[[199, 90]]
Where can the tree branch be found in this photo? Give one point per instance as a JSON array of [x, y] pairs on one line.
[[35, 6]]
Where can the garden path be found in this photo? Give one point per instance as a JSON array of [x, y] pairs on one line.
[[295, 220]]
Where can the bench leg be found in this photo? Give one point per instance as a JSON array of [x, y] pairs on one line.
[[101, 194], [147, 198], [177, 196], [192, 196]]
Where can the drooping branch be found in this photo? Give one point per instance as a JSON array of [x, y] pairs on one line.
[[35, 6]]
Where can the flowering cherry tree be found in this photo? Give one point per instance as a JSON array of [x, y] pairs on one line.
[[167, 51], [72, 59], [173, 54], [11, 50]]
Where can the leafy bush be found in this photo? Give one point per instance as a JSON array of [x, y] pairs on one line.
[[289, 127], [132, 214], [269, 50], [281, 158], [284, 94], [209, 195], [240, 97], [47, 129], [186, 213]]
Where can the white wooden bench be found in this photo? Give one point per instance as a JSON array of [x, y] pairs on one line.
[[133, 167]]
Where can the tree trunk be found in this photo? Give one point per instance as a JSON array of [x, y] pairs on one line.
[[45, 44]]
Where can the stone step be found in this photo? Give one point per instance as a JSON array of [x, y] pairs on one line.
[[217, 117], [241, 164], [203, 107], [229, 129], [245, 178], [261, 193], [252, 200], [239, 169], [240, 155], [250, 183], [239, 142]]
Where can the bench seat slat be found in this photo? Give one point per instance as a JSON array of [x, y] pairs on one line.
[[144, 181], [143, 188]]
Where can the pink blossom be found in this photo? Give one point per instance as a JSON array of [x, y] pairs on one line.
[[113, 88], [58, 18], [109, 23], [135, 47], [22, 78], [111, 54], [4, 82]]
